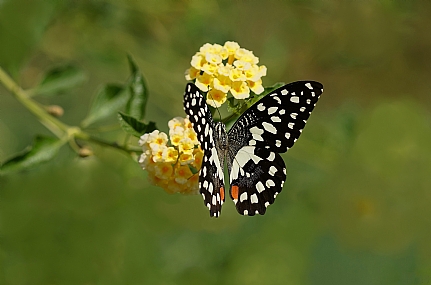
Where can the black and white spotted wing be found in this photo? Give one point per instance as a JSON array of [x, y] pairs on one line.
[[211, 175], [269, 127], [252, 146]]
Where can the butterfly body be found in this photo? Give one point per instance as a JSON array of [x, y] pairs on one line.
[[251, 147]]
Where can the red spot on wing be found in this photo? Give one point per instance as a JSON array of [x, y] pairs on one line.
[[234, 192], [222, 193]]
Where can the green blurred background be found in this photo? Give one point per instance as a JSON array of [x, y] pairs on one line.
[[356, 206]]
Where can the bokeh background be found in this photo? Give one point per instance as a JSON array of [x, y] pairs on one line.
[[356, 207]]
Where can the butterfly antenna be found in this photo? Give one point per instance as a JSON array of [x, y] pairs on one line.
[[192, 176], [215, 104]]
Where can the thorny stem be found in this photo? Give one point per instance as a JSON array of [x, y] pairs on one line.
[[58, 128]]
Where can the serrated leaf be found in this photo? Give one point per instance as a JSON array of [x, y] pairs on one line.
[[109, 100], [133, 126], [59, 79], [43, 150], [138, 92]]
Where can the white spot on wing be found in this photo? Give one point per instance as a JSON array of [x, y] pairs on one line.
[[275, 119], [260, 187], [254, 199], [243, 197], [308, 85], [269, 183], [269, 127], [257, 138], [277, 99], [272, 110], [271, 156], [294, 99], [272, 170], [204, 171], [256, 130]]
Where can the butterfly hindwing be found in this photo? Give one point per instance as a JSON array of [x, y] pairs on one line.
[[256, 178], [211, 185]]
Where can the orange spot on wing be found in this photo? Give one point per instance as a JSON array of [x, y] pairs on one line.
[[234, 192], [222, 193]]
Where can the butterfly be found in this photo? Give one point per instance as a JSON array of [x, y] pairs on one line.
[[252, 146]]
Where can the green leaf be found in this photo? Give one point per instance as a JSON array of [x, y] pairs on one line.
[[235, 106], [269, 89], [43, 150], [250, 102], [193, 169], [109, 100], [59, 79], [133, 126], [138, 92]]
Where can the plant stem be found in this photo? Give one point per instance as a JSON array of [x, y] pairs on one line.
[[51, 123], [57, 127]]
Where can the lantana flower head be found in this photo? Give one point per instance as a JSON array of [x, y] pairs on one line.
[[226, 69], [173, 167]]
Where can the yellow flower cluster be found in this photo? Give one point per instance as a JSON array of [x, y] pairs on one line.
[[228, 68], [170, 167]]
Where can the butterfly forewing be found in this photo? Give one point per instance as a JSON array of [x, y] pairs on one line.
[[211, 185], [271, 126], [276, 121]]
